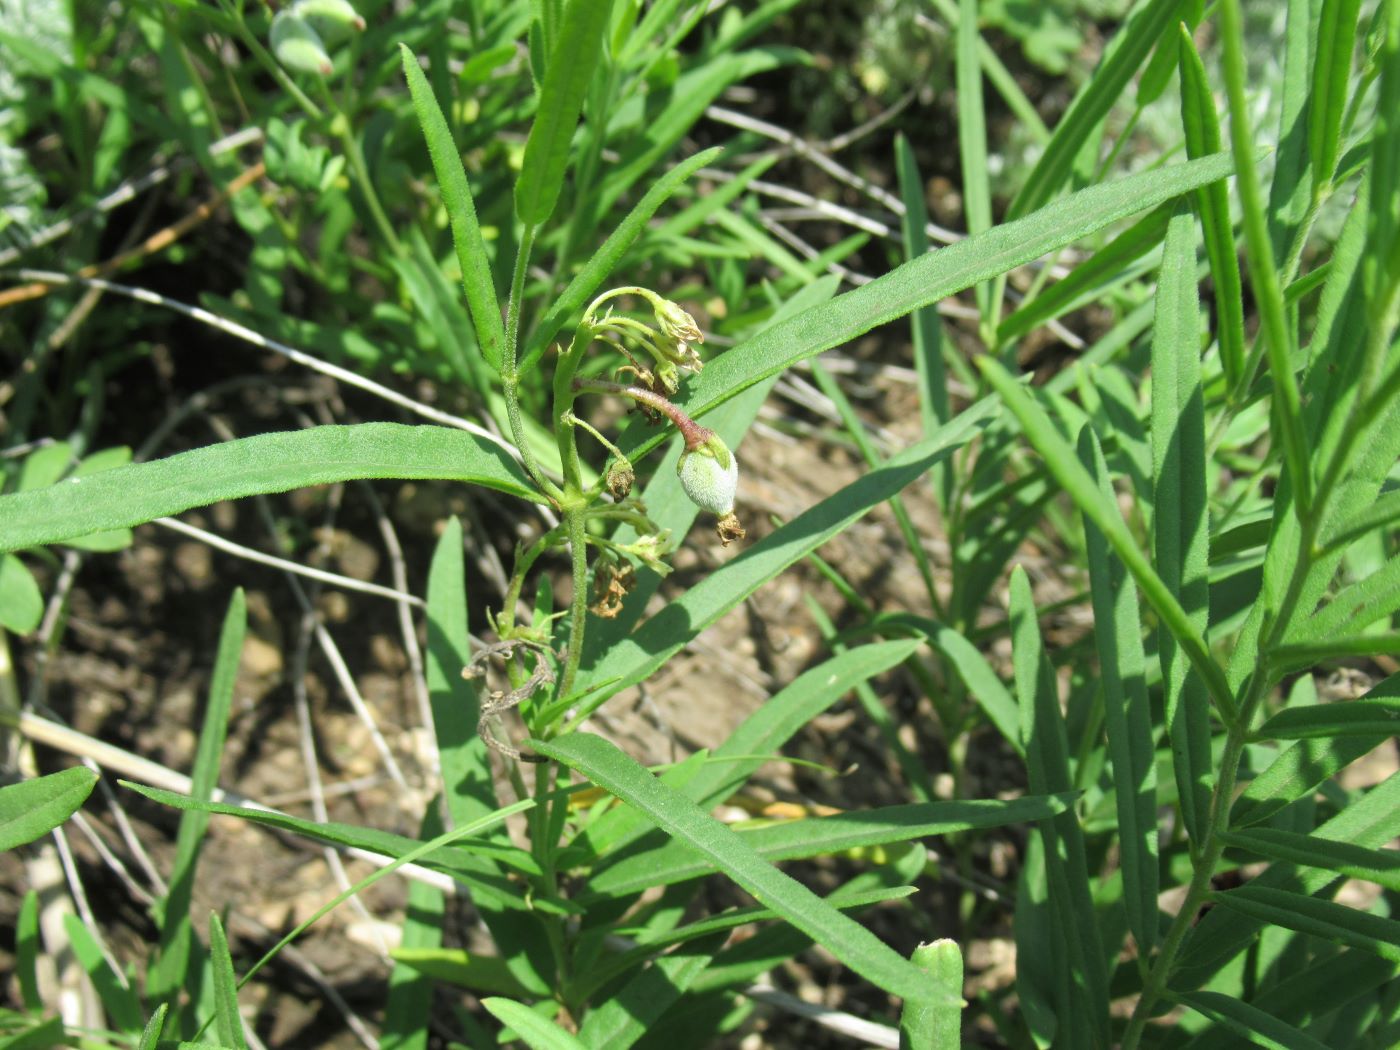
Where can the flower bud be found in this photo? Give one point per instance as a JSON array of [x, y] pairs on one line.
[[709, 473], [678, 330], [619, 479], [298, 46]]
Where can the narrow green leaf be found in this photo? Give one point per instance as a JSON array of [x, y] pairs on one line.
[[1179, 525], [33, 808], [168, 974], [967, 662], [1263, 274], [21, 603], [1080, 487], [250, 466], [466, 770], [1088, 281], [1290, 191], [27, 950], [1301, 768], [572, 61], [1122, 58], [121, 1002], [1376, 716], [1381, 866], [927, 279], [927, 329], [409, 998], [1213, 206], [1333, 922], [972, 141], [796, 839], [1249, 1022], [1127, 714], [634, 657], [536, 1032], [1336, 39], [602, 262], [727, 852], [638, 1005], [228, 1022], [464, 860], [935, 1026], [41, 1036], [1047, 762], [480, 973], [461, 213], [1371, 821], [150, 1035]]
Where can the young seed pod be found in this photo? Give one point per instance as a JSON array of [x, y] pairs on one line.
[[333, 20], [709, 473], [298, 46]]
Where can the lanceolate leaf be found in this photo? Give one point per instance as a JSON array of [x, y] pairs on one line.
[[35, 807], [571, 65], [1250, 1023], [931, 277], [461, 213], [1326, 919], [267, 463], [725, 851]]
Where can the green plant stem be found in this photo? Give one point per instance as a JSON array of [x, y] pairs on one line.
[[574, 521], [340, 128], [269, 63], [510, 376]]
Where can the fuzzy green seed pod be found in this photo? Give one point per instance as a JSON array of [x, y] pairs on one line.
[[298, 46], [333, 20], [709, 473]]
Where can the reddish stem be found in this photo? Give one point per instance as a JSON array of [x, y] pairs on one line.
[[695, 435]]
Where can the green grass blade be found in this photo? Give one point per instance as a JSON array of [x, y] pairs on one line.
[[633, 658], [1336, 40], [1249, 1022], [972, 142], [1047, 762], [176, 929], [33, 808], [1127, 713], [602, 262], [1001, 78], [1202, 126], [724, 850], [267, 463], [936, 1026], [571, 64], [461, 211], [532, 1029], [480, 973], [466, 770], [119, 1000], [1080, 487], [228, 1022], [795, 839], [1334, 923], [1380, 866], [927, 328], [1263, 273], [1179, 524], [929, 278]]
